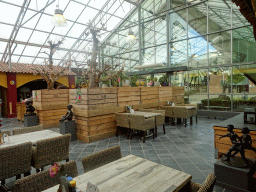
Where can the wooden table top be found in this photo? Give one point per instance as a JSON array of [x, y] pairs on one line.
[[146, 114], [33, 137], [132, 174], [187, 107]]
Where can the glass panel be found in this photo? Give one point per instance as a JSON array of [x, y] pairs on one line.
[[178, 53], [219, 48], [219, 81], [23, 34], [6, 32], [219, 15], [197, 98], [197, 20], [8, 16], [243, 45], [19, 49], [197, 52], [244, 79], [178, 25], [197, 82], [219, 103], [45, 23]]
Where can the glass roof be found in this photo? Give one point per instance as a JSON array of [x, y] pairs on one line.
[[191, 23], [33, 27]]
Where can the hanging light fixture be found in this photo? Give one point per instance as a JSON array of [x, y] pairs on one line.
[[130, 37], [58, 19]]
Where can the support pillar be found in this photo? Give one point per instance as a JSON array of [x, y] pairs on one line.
[[71, 80], [11, 95]]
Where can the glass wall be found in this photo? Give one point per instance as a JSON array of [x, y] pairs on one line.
[[212, 38]]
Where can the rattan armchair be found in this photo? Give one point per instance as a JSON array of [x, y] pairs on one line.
[[179, 112], [101, 158], [15, 160], [42, 181], [51, 150], [122, 120], [23, 130], [160, 119], [196, 187], [140, 123]]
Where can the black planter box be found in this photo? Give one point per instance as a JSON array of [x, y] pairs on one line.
[[68, 127], [232, 178], [30, 121]]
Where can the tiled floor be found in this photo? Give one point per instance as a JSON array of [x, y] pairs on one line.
[[189, 149]]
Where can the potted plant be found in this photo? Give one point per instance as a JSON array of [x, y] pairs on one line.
[[156, 83]]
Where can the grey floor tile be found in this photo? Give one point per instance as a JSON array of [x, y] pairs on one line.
[[196, 174], [168, 160], [204, 166], [188, 167], [183, 161], [162, 151], [200, 181]]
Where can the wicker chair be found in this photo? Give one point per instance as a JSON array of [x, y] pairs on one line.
[[7, 132], [101, 158], [42, 181], [27, 129], [51, 150], [160, 119], [122, 120], [181, 113], [193, 111], [140, 123], [15, 160], [196, 187]]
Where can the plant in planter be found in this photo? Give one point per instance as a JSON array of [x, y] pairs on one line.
[[164, 81], [49, 72], [94, 70]]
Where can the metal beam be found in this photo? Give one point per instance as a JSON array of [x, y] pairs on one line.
[[43, 46], [164, 70]]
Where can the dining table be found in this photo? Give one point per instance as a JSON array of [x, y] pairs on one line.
[[146, 115], [26, 137], [132, 174], [191, 110]]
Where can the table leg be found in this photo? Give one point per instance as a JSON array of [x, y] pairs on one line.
[[164, 128], [191, 120], [156, 131], [178, 120], [116, 131], [196, 118], [131, 131], [144, 136], [185, 122], [18, 176]]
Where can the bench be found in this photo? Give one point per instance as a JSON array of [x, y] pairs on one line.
[[217, 107]]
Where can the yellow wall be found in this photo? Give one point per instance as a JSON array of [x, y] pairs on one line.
[[3, 79], [64, 80], [23, 78]]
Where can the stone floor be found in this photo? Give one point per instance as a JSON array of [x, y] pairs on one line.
[[189, 149]]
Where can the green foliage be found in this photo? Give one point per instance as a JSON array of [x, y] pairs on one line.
[[216, 102], [134, 79], [164, 79], [237, 78], [81, 81]]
